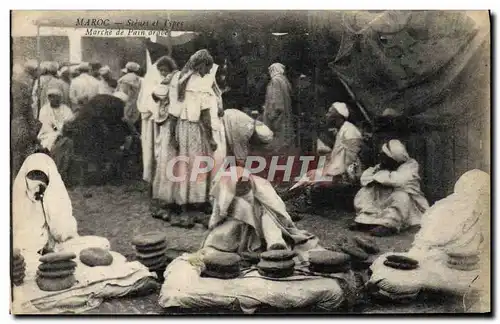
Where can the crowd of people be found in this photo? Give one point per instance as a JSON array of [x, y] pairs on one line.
[[80, 112], [179, 112]]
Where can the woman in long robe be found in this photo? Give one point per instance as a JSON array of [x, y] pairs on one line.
[[161, 70], [391, 199], [278, 109], [191, 133], [164, 187]]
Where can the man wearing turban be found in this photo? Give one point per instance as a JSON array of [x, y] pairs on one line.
[[48, 80], [391, 199]]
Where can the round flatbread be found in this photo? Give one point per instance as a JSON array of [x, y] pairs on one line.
[[398, 297], [150, 255], [96, 257], [464, 267], [400, 266], [148, 239], [56, 266], [218, 275], [367, 244], [221, 259], [275, 265], [55, 274], [18, 261], [464, 261], [397, 289], [463, 254], [328, 258], [19, 266], [251, 257], [402, 259], [16, 253], [155, 262], [281, 273], [18, 282], [57, 256], [278, 255], [152, 248], [58, 284], [18, 277], [342, 268], [354, 252]]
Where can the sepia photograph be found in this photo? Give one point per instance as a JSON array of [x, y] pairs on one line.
[[252, 162]]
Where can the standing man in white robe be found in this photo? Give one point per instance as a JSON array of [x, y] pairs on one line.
[[391, 199]]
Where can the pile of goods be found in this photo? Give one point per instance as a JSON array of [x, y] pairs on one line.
[[249, 259], [95, 257], [400, 262], [399, 293], [18, 268], [360, 249], [277, 263], [56, 271], [329, 262], [150, 251], [222, 265], [463, 261]]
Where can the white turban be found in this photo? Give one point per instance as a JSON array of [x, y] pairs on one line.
[[121, 95], [104, 70], [341, 108], [132, 67], [396, 151], [276, 69], [54, 91]]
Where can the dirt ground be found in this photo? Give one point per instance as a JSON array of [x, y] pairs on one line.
[[118, 212]]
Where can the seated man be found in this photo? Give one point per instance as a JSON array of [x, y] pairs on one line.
[[53, 116], [390, 199], [248, 216], [343, 164]]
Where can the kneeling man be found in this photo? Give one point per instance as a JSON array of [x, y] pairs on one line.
[[391, 199]]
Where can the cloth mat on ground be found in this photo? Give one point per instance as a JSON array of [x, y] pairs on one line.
[[184, 288], [431, 275], [94, 285]]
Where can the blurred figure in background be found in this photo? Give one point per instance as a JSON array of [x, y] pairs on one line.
[[278, 109], [64, 75], [24, 126], [83, 88], [107, 84], [94, 70], [130, 84]]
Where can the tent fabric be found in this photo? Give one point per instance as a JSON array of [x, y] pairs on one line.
[[404, 60]]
